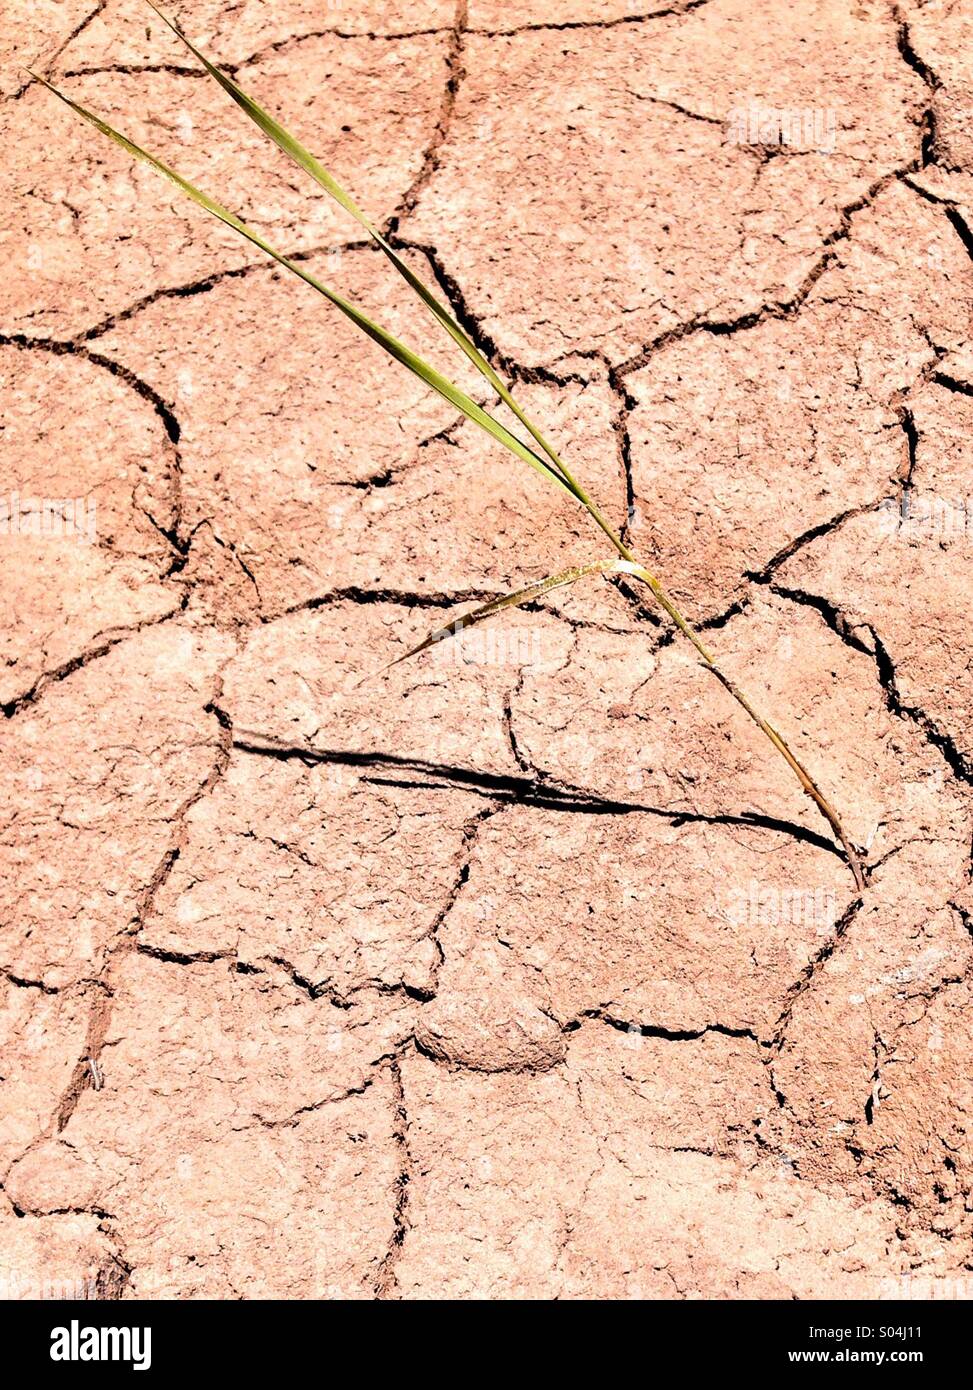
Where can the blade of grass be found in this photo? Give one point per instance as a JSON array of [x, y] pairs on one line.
[[391, 344], [307, 161], [559, 475], [497, 605]]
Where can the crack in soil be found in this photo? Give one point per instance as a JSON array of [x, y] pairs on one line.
[[192, 288], [563, 26], [69, 347], [87, 1073], [840, 625], [467, 849], [78, 29], [926, 74], [336, 32], [77, 663], [776, 309], [652, 1030], [100, 1016], [386, 1284], [814, 965], [455, 72]]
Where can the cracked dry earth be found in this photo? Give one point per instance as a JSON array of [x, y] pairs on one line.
[[531, 977]]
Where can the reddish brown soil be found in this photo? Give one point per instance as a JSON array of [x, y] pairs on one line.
[[533, 973]]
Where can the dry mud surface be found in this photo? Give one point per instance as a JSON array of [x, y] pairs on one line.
[[530, 973]]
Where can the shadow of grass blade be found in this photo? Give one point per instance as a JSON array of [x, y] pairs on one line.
[[497, 605], [303, 157], [391, 344]]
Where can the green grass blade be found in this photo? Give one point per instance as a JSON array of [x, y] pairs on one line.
[[497, 605], [553, 469], [303, 157], [391, 344]]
